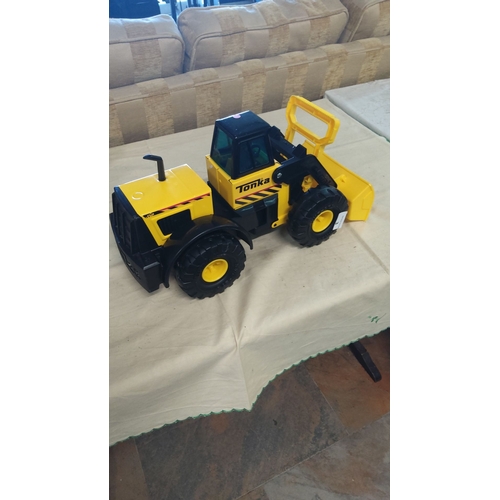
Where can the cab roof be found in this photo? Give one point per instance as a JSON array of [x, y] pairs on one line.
[[243, 125]]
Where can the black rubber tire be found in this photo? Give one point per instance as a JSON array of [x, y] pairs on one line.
[[189, 267], [304, 212]]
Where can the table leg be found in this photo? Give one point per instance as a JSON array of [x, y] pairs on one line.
[[173, 8], [362, 355]]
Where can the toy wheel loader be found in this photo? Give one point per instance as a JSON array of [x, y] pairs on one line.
[[174, 221]]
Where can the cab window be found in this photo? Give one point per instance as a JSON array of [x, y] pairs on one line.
[[253, 155], [222, 151]]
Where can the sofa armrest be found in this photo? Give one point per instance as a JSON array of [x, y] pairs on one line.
[[367, 19]]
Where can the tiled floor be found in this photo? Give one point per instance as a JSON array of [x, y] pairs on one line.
[[319, 431]]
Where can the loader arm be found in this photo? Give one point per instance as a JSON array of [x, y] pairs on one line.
[[359, 192]]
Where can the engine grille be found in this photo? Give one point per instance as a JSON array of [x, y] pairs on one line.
[[123, 222]]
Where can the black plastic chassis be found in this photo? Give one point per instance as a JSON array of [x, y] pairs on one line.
[[153, 267]]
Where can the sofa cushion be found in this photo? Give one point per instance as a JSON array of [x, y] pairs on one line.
[[219, 36], [143, 49], [367, 18], [195, 99]]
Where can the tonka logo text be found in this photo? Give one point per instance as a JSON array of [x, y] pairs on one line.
[[253, 184]]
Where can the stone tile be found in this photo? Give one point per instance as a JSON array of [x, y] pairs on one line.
[[257, 494], [357, 467], [126, 479], [228, 455], [348, 388]]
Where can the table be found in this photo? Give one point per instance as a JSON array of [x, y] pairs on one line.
[[190, 3], [173, 357]]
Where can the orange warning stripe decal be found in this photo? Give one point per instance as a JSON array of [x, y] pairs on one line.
[[187, 202]]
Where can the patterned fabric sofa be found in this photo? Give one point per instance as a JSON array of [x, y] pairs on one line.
[[216, 61]]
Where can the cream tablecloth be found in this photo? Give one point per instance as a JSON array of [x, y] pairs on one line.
[[173, 357]]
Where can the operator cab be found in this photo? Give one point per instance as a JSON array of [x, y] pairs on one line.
[[241, 144]]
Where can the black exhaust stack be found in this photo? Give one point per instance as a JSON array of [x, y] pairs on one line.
[[159, 162]]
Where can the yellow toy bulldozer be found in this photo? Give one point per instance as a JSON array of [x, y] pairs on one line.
[[257, 181]]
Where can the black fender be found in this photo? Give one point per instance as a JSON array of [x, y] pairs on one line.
[[203, 226]]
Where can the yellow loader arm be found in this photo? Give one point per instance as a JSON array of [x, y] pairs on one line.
[[359, 193]]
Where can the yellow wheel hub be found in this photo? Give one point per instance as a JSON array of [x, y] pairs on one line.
[[215, 270], [322, 221]]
